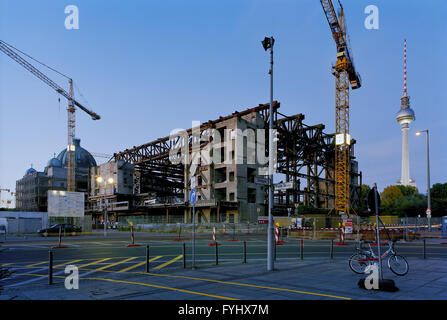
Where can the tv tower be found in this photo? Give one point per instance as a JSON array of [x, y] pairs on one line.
[[405, 116]]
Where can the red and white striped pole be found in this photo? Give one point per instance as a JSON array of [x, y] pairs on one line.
[[342, 235], [214, 234], [276, 235]]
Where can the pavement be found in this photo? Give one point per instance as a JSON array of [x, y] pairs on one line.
[[108, 269], [312, 278]]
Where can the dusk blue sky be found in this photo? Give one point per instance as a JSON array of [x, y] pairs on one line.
[[148, 67]]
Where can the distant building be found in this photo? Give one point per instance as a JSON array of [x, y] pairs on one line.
[[111, 185], [32, 189]]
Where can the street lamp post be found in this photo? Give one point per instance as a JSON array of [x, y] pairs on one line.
[[105, 182], [267, 43], [428, 179]]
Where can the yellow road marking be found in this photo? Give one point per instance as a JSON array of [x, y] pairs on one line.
[[249, 285], [67, 263], [223, 282], [116, 263], [168, 263], [94, 262], [162, 287], [141, 284], [139, 264], [36, 264]]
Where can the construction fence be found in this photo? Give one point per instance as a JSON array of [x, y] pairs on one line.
[[314, 227]]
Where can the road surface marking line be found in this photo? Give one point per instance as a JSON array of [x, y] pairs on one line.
[[140, 284], [168, 263], [36, 264], [139, 264], [94, 262], [249, 285], [162, 287], [116, 263], [67, 263]]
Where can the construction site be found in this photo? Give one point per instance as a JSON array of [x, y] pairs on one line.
[[313, 168], [232, 191]]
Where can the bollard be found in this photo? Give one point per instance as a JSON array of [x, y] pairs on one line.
[[184, 256], [217, 254], [245, 252], [302, 249], [147, 259], [332, 248], [425, 256], [50, 268]]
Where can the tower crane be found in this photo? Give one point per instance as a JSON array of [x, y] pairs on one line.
[[13, 53], [1, 189], [345, 75]]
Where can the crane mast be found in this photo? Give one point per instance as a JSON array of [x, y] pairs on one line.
[[345, 76], [71, 110]]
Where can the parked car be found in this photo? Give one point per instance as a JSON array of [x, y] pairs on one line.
[[66, 229]]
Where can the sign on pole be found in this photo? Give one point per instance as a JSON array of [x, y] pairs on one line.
[[65, 203], [193, 196], [348, 225], [372, 200], [263, 220]]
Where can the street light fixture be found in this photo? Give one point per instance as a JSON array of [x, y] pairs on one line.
[[110, 180], [268, 43], [418, 133]]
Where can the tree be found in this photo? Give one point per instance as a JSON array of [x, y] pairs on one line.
[[438, 193], [389, 195], [408, 190], [402, 201]]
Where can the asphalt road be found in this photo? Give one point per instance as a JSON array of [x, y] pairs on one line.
[[105, 255]]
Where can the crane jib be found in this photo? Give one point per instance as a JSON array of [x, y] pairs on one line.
[[36, 72]]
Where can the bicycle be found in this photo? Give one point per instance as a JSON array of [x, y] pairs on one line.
[[365, 257]]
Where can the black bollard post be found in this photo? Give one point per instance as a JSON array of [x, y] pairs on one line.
[[147, 259], [245, 252], [332, 248], [50, 268], [217, 254], [184, 255], [302, 249]]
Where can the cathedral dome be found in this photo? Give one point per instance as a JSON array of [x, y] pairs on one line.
[[54, 162], [83, 158], [30, 171]]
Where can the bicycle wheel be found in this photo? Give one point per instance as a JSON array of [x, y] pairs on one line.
[[398, 265], [356, 265]]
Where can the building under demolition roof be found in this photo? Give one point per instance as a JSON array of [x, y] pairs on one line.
[[223, 161]]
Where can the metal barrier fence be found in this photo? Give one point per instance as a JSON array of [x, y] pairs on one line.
[[151, 258]]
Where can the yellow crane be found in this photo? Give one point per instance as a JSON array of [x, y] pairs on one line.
[[345, 76], [13, 53]]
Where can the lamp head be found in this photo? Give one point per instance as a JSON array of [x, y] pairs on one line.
[[268, 43], [99, 179]]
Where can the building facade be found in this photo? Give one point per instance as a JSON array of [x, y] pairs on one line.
[[32, 189]]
